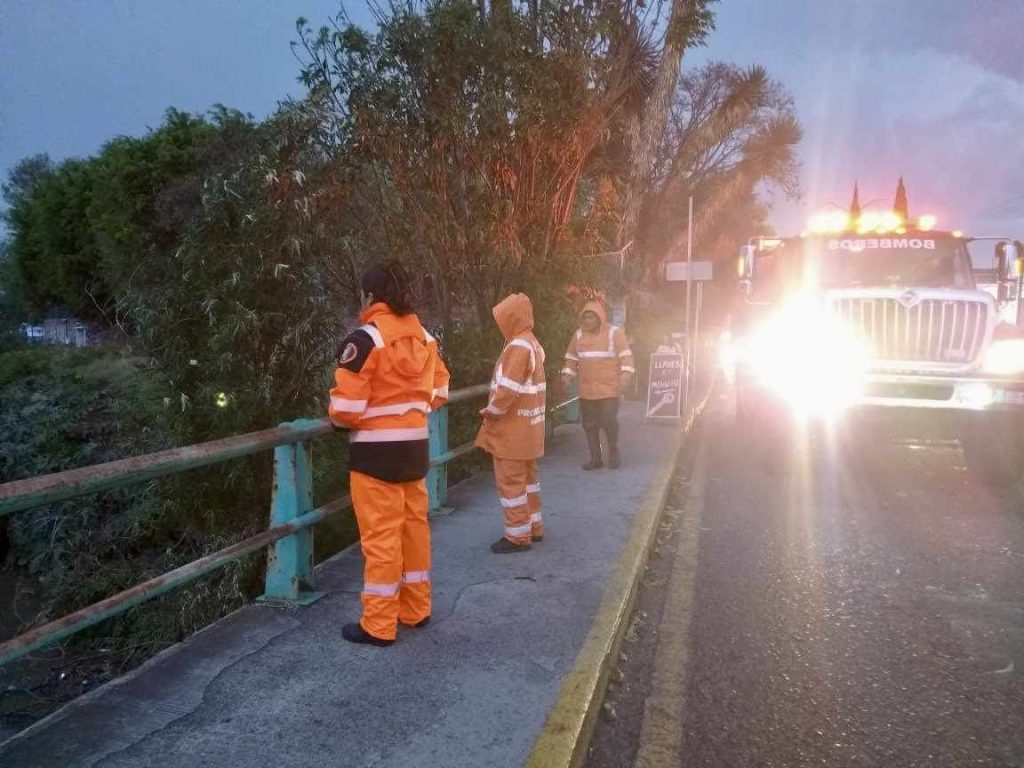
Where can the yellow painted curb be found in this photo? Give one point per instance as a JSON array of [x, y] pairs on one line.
[[661, 731], [563, 741]]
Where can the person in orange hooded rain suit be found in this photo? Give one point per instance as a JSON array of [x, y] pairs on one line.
[[389, 376], [513, 427], [600, 355]]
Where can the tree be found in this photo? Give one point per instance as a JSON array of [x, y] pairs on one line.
[[147, 189], [52, 245], [731, 132], [23, 178], [689, 23], [469, 139], [78, 230]]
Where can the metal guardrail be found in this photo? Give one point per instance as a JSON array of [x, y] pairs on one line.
[[289, 577]]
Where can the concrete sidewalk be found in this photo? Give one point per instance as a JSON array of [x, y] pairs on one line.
[[279, 687]]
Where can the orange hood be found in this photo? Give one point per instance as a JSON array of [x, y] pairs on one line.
[[514, 315], [598, 309], [404, 335]]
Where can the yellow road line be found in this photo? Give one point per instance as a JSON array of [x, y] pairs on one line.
[[662, 730], [563, 741]]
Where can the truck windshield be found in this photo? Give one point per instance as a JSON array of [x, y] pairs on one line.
[[862, 262], [887, 262]]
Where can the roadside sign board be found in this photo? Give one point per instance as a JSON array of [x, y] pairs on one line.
[[679, 271], [665, 386]]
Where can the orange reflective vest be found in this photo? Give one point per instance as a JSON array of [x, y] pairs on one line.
[[513, 425], [599, 359], [389, 377]]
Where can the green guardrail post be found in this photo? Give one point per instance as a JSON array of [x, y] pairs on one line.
[[290, 559], [437, 477]]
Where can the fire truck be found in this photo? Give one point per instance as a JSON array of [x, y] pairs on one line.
[[874, 314]]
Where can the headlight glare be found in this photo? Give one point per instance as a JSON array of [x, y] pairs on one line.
[[810, 359], [1005, 356]]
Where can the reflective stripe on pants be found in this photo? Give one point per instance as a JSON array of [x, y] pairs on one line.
[[519, 496], [395, 539]]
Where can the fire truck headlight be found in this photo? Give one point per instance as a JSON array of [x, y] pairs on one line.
[[809, 359], [1005, 356]]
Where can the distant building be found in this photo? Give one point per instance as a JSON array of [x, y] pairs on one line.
[[61, 330], [66, 331], [32, 333]]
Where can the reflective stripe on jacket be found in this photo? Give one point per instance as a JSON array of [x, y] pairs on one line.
[[599, 359], [389, 377]]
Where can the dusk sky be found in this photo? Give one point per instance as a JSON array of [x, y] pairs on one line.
[[932, 89]]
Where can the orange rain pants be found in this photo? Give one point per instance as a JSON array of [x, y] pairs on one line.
[[395, 539], [519, 493]]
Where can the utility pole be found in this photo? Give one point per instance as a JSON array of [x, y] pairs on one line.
[[689, 294]]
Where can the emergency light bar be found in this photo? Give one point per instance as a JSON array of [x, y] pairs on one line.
[[868, 222]]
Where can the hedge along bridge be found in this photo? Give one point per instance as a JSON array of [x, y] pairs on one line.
[[289, 576]]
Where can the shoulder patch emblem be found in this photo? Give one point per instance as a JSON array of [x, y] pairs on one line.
[[348, 354]]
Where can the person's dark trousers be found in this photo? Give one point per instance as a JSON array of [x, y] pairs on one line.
[[598, 415]]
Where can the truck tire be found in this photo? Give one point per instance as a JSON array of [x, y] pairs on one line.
[[993, 448]]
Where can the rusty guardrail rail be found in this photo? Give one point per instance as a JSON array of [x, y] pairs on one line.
[[289, 577]]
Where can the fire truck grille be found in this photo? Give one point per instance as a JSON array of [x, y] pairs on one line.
[[931, 330]]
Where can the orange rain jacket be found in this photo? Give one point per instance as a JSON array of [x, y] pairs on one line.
[[513, 425], [599, 358], [389, 377]]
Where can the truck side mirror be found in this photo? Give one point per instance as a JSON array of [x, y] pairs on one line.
[[746, 264], [745, 287], [1003, 292]]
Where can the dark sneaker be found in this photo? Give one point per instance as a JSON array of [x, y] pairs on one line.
[[505, 547], [421, 623], [592, 465], [537, 539], [355, 633]]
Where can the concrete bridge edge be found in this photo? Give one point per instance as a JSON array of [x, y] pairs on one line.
[[570, 724]]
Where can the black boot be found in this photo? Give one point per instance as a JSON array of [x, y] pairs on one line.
[[613, 459], [505, 547], [355, 633], [594, 442]]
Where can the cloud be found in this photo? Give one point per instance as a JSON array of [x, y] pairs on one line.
[[933, 89], [985, 32], [973, 155], [950, 127]]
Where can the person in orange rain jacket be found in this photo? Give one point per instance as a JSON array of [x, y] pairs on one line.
[[513, 427], [600, 356], [389, 376]]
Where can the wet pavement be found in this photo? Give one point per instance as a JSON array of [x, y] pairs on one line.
[[853, 607]]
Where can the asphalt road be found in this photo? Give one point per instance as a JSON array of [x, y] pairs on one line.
[[854, 608]]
